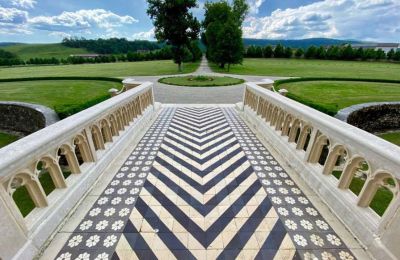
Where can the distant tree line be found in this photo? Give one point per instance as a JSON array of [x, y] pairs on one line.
[[345, 52], [111, 46], [190, 55], [9, 59]]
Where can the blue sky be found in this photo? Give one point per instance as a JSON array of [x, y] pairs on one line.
[[51, 20]]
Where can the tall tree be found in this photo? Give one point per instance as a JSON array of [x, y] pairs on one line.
[[223, 32], [268, 51], [279, 51], [175, 25]]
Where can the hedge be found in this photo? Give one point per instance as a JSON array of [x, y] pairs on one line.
[[61, 78]]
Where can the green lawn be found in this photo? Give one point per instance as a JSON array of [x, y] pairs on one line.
[[315, 68], [393, 137], [6, 139], [62, 95], [56, 50], [119, 69], [201, 81], [331, 96]]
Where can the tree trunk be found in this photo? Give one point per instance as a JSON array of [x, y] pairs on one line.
[[222, 65], [180, 66], [229, 66]]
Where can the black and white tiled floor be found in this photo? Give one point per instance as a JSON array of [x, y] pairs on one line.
[[200, 185]]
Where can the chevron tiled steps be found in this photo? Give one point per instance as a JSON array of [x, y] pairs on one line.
[[205, 197]]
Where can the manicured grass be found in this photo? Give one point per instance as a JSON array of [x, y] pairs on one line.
[[6, 139], [393, 137], [331, 96], [315, 68], [382, 197], [64, 96], [119, 69], [201, 81], [56, 50]]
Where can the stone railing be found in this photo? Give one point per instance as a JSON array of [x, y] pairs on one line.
[[329, 154], [127, 84], [72, 154]]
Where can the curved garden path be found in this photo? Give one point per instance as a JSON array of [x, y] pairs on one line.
[[168, 94]]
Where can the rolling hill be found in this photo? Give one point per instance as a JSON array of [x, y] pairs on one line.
[[56, 50]]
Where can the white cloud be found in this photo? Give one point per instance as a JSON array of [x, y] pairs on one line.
[[13, 21], [81, 20], [347, 19], [60, 35], [13, 16], [148, 35], [254, 5], [24, 3]]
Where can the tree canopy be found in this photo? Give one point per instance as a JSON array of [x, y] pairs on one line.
[[175, 25], [222, 31]]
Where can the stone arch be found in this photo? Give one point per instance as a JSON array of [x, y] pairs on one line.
[[260, 106], [275, 114], [321, 144], [280, 120], [97, 137], [269, 112], [124, 114], [294, 130], [106, 131], [133, 109], [114, 125], [120, 123], [304, 138], [131, 112], [31, 183], [82, 146], [351, 168], [51, 165], [70, 156], [335, 153], [373, 183], [286, 124]]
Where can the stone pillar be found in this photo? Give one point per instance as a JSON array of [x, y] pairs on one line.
[[13, 237], [130, 83]]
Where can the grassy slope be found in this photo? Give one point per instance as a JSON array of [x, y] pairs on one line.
[[393, 137], [315, 68], [6, 139], [57, 50], [335, 95], [120, 69], [56, 94], [185, 81]]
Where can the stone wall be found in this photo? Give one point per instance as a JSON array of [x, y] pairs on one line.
[[373, 117], [25, 118]]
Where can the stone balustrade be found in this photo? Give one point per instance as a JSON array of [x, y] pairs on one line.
[[73, 152], [318, 148], [127, 84]]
